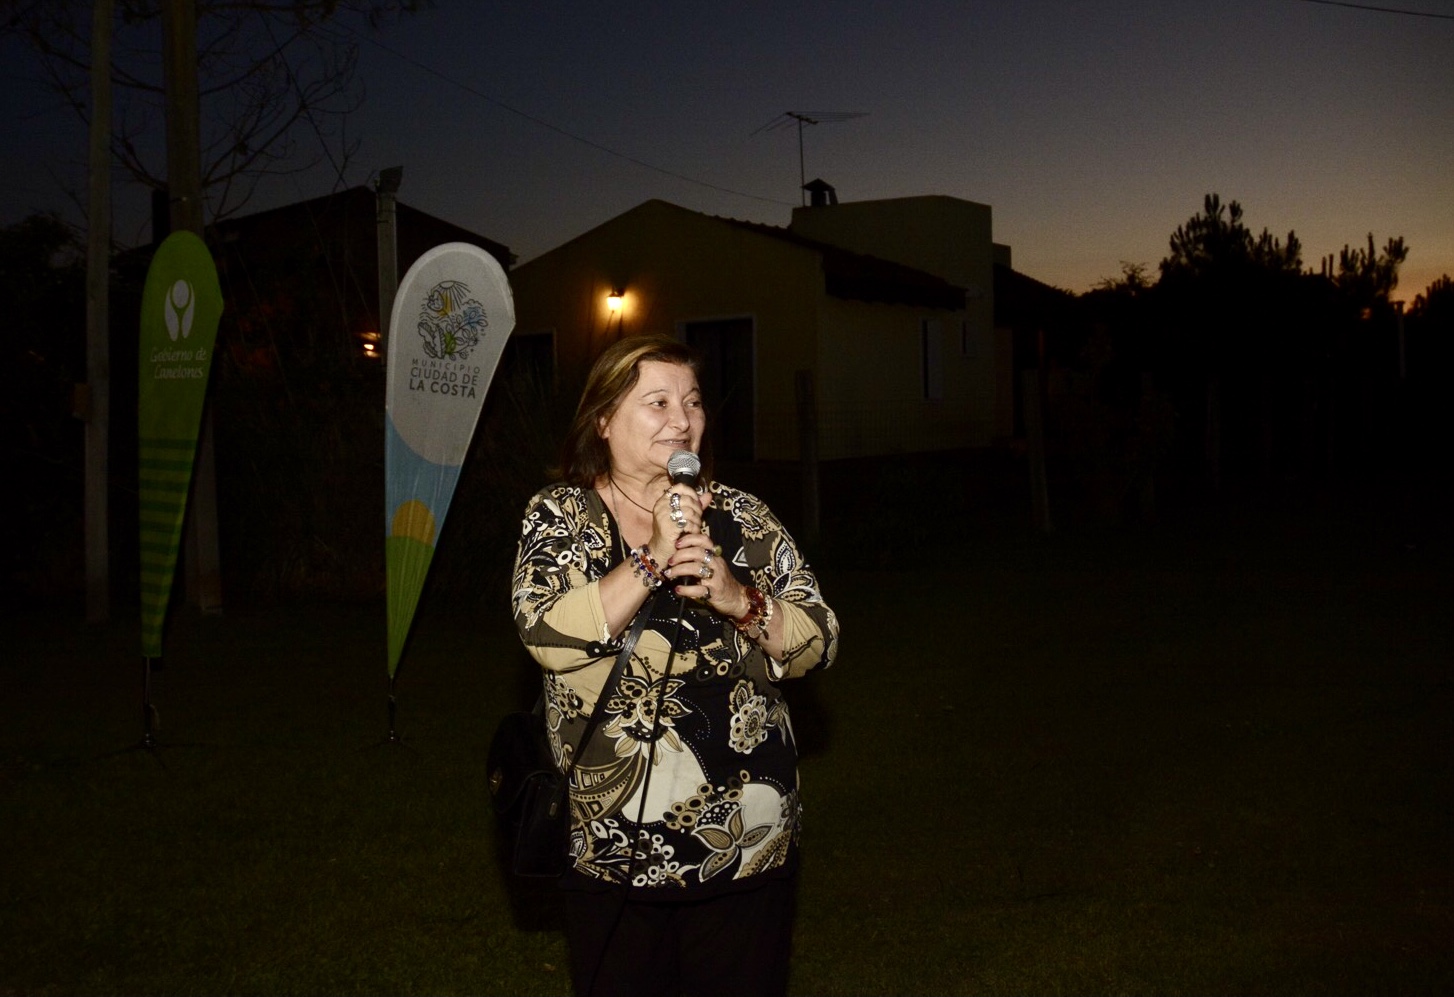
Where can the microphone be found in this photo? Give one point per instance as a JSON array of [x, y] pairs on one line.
[[683, 468]]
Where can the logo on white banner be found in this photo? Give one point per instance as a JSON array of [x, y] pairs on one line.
[[451, 323]]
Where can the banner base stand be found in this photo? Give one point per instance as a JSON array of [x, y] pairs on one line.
[[393, 713], [150, 719], [393, 736]]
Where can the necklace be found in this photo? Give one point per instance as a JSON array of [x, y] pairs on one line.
[[622, 492]]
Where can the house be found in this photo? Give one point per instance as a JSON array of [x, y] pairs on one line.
[[886, 305], [316, 264]]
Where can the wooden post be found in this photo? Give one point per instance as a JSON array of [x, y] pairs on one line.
[[203, 555], [1212, 439], [1403, 366], [1150, 431], [386, 194], [184, 151], [97, 408], [1034, 399], [808, 454]]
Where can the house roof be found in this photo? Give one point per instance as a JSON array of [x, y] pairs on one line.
[[847, 274], [419, 228], [867, 278], [363, 200], [1023, 302]]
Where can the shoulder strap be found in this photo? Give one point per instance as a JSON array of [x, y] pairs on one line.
[[609, 688]]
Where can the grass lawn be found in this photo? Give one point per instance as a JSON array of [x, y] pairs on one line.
[[1213, 757]]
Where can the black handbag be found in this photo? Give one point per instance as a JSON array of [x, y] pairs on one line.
[[531, 797]]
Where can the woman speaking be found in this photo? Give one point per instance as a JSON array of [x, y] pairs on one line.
[[684, 802]]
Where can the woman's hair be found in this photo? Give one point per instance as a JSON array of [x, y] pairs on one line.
[[585, 457]]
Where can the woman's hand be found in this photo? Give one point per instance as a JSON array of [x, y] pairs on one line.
[[698, 572], [677, 513]]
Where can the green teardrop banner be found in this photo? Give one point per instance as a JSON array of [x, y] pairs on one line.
[[181, 305]]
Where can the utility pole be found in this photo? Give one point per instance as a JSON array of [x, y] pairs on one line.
[[387, 190], [184, 153], [184, 180], [95, 407]]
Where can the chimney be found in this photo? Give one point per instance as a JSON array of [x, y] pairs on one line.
[[821, 194]]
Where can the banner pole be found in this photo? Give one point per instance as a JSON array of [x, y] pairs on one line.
[[148, 737], [393, 713]]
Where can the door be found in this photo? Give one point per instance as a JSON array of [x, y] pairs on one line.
[[728, 384]]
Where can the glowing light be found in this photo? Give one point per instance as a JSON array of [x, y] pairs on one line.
[[614, 301]]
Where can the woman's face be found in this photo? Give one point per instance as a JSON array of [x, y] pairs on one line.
[[660, 414]]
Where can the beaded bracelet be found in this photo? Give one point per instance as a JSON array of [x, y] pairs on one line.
[[766, 616], [754, 622], [644, 566]]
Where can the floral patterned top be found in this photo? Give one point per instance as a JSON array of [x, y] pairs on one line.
[[721, 802]]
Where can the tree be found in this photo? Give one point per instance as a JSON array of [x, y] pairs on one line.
[[42, 263], [1436, 304], [1216, 240], [1431, 340], [42, 357], [1134, 280], [1367, 277], [274, 73], [1241, 313], [238, 80]]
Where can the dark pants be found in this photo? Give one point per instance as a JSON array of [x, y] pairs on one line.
[[736, 943]]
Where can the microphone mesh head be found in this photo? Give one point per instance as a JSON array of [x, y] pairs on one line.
[[683, 466]]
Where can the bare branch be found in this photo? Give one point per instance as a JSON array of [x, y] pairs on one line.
[[268, 69]]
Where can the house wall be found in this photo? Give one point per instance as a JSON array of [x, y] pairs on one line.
[[952, 239], [871, 396], [944, 236], [677, 266], [1004, 379]]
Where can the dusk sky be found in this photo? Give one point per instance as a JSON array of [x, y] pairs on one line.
[[1092, 129]]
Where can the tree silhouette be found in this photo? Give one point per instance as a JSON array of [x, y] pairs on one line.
[[272, 74], [1436, 304], [1134, 280], [1216, 240], [1253, 334], [1431, 352], [42, 355], [1367, 277]]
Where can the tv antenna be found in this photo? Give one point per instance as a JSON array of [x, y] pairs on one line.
[[800, 118]]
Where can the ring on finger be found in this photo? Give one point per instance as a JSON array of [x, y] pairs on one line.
[[675, 501], [706, 571], [707, 555], [679, 518]]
